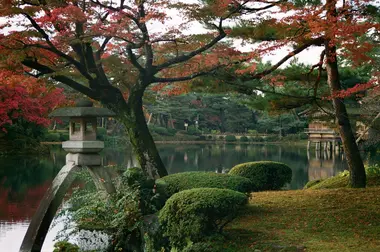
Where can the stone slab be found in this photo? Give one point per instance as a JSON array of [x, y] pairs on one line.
[[83, 146], [84, 159]]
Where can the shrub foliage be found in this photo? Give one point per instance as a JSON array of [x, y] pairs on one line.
[[191, 215], [174, 183], [244, 139], [230, 138], [264, 175]]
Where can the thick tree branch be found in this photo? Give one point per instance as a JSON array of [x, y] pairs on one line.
[[100, 51], [44, 70], [146, 37], [55, 50], [133, 59]]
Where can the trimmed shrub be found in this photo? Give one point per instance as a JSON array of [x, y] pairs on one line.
[[192, 130], [230, 138], [311, 183], [161, 131], [192, 215], [52, 137], [174, 183], [202, 138], [221, 137], [64, 246], [64, 136], [373, 170], [253, 132], [257, 139], [264, 175], [209, 137], [304, 136], [171, 131], [200, 247], [272, 138], [243, 139], [100, 131]]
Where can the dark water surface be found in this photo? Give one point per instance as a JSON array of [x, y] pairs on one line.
[[24, 180]]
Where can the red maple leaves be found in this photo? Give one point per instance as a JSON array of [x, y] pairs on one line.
[[26, 97]]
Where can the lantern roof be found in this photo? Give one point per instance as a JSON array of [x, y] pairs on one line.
[[83, 108]]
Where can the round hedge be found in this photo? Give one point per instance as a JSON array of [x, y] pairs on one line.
[[174, 183], [191, 215], [230, 138], [264, 175], [52, 137], [243, 139]]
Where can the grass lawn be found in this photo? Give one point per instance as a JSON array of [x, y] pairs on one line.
[[308, 220]]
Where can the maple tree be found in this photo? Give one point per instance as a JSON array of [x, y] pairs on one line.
[[113, 51], [338, 27], [27, 98]]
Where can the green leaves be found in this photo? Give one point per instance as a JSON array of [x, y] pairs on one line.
[[264, 175], [192, 215], [188, 180]]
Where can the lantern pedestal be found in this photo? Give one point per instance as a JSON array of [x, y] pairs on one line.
[[84, 159], [83, 146]]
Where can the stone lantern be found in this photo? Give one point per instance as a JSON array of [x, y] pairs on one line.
[[82, 149], [82, 131]]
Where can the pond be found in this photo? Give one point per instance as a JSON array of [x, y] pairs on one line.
[[23, 181]]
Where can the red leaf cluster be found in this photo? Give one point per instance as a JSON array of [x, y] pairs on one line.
[[354, 90], [25, 97]]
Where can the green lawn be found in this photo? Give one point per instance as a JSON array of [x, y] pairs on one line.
[[308, 220]]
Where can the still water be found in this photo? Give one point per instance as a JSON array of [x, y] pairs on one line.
[[23, 181]]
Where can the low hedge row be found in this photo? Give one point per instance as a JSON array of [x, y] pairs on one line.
[[174, 183], [162, 130]]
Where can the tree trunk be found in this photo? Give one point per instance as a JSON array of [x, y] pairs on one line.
[[131, 115], [354, 160]]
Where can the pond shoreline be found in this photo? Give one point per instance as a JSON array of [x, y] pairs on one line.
[[205, 142]]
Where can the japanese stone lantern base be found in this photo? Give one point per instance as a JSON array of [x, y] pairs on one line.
[[83, 146]]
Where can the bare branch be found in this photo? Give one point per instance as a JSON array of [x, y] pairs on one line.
[[317, 42], [190, 55], [249, 91], [189, 77], [320, 69], [249, 10]]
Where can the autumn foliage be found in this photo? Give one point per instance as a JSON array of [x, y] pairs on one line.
[[26, 97]]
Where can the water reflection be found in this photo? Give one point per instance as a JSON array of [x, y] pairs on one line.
[[325, 164], [23, 181]]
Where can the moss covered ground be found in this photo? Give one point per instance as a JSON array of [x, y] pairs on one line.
[[307, 220], [340, 181]]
